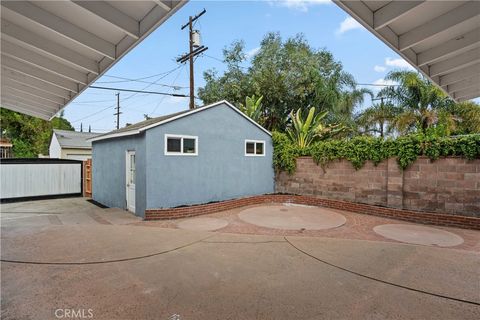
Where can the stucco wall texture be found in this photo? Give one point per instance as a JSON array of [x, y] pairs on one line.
[[448, 185], [109, 172], [220, 171]]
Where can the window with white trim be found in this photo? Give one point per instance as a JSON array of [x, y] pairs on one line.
[[180, 145], [254, 148]]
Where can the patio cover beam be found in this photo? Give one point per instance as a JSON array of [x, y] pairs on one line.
[[113, 16], [440, 24], [38, 73], [61, 27], [8, 83], [21, 78], [392, 11]]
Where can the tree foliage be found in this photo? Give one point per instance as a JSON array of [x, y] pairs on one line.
[[418, 99], [290, 75], [304, 131], [360, 149], [416, 105], [377, 119], [253, 108], [29, 135]]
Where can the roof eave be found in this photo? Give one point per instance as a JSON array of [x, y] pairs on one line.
[[133, 132]]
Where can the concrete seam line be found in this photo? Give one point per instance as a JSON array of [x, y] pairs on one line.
[[247, 242], [106, 261], [380, 280], [34, 212]]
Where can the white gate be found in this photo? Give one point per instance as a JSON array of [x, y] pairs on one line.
[[30, 178]]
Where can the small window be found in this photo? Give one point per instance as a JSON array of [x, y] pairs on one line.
[[250, 147], [254, 148], [181, 145], [132, 169], [173, 144], [188, 145]]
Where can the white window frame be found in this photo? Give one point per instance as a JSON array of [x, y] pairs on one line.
[[181, 137], [255, 154]]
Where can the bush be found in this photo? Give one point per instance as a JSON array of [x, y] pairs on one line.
[[358, 150]]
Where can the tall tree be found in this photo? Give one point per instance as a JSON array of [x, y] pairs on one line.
[[377, 119], [290, 75], [418, 98], [30, 135], [234, 85], [466, 116]]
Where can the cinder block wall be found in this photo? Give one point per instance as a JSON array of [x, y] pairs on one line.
[[448, 185]]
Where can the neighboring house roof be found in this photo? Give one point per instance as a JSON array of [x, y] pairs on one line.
[[74, 139], [154, 122]]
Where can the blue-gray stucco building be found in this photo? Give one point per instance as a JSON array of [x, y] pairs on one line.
[[211, 153]]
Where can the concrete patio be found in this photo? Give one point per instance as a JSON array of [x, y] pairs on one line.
[[70, 254]]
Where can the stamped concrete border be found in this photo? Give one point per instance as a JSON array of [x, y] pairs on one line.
[[405, 215]]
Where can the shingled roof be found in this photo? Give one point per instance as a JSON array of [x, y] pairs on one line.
[[147, 124], [74, 139]]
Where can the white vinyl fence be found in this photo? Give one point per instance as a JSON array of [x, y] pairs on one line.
[[26, 178]]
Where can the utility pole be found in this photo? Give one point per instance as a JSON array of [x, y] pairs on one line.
[[118, 110], [194, 49]]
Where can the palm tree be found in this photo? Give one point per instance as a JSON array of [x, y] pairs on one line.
[[378, 118], [305, 131], [338, 94], [419, 99], [465, 115]]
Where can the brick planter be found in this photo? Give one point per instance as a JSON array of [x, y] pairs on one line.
[[406, 215]]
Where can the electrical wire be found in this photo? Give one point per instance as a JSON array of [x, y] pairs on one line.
[[163, 75], [92, 114], [141, 91], [377, 85], [141, 81], [89, 102], [143, 78], [163, 98], [220, 60], [358, 84]]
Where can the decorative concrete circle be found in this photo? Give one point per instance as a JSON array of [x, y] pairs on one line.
[[410, 233], [202, 224], [292, 217]]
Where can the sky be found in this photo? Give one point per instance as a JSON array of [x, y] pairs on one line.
[[324, 25]]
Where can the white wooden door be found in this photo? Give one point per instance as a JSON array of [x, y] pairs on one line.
[[130, 180]]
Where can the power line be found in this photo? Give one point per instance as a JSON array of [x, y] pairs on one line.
[[90, 102], [156, 81], [164, 74], [147, 77], [163, 98], [141, 81], [141, 91], [92, 114], [222, 61], [377, 85]]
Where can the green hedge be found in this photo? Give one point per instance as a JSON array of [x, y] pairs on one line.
[[360, 149]]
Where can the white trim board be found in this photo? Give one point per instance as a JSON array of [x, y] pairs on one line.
[[255, 148], [181, 137], [137, 131]]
